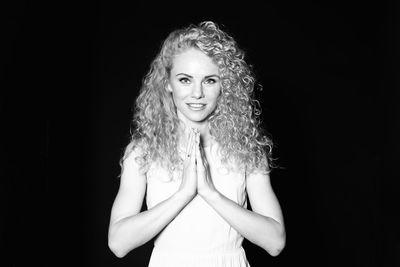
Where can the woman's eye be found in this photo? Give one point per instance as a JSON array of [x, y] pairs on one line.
[[210, 81], [184, 80]]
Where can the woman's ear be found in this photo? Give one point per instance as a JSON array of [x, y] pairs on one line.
[[168, 87]]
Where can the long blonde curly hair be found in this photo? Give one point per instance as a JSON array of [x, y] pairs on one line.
[[234, 124]]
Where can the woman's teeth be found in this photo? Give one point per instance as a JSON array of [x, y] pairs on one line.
[[196, 106]]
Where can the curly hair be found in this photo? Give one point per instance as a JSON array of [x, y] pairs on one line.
[[234, 124]]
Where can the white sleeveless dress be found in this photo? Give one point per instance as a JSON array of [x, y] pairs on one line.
[[198, 236]]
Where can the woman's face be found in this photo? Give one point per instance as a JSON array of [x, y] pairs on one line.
[[195, 86]]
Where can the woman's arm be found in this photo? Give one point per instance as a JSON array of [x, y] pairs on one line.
[[129, 228], [264, 225]]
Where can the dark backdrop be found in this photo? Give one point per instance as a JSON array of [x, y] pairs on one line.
[[72, 72]]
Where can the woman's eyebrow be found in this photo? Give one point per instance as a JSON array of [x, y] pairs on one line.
[[212, 75], [205, 77], [184, 74]]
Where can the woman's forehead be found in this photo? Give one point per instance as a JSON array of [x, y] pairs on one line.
[[194, 61]]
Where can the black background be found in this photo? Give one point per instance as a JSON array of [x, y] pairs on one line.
[[71, 72]]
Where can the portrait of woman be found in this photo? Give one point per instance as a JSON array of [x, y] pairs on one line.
[[197, 155], [259, 134]]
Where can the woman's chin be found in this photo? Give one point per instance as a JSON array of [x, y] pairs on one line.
[[194, 119]]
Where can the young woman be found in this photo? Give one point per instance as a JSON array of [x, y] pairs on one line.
[[197, 154]]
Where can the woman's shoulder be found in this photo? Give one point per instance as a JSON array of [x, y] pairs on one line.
[[260, 168], [134, 154], [136, 147]]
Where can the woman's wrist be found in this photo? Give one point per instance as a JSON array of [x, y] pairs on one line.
[[210, 195], [184, 195]]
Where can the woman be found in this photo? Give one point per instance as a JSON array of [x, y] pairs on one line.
[[196, 153]]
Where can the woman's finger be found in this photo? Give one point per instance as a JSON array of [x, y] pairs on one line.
[[193, 150], [203, 155], [189, 145], [198, 153]]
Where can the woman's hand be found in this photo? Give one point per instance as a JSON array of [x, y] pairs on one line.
[[188, 185], [205, 185]]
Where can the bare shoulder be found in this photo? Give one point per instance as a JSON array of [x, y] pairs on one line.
[[133, 161]]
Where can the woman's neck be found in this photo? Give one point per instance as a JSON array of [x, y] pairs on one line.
[[204, 130]]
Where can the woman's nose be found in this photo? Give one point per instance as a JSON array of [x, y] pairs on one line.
[[197, 91]]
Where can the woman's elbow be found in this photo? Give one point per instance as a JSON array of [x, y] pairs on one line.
[[116, 244], [121, 247], [276, 247], [116, 249], [276, 250]]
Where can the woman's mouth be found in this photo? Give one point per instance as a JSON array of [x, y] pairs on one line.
[[196, 106]]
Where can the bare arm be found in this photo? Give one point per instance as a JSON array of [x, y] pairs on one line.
[[129, 228], [264, 225]]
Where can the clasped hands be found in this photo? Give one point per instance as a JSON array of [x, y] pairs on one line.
[[196, 177]]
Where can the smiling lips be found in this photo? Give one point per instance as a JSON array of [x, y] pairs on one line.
[[196, 106]]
